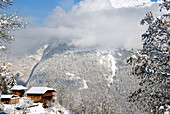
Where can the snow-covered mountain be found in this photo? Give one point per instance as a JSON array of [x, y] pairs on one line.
[[79, 70], [131, 3], [22, 66], [85, 69]]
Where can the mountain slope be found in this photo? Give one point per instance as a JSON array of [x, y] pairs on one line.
[[86, 70], [22, 66], [130, 3], [77, 73]]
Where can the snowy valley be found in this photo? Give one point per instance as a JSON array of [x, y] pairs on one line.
[[74, 72], [84, 57]]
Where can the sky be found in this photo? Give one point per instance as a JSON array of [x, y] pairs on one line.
[[84, 24], [38, 10]]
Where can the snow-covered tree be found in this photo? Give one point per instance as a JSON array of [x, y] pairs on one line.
[[8, 23], [7, 80], [151, 64]]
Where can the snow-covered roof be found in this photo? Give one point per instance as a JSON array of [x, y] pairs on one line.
[[18, 87], [8, 96], [39, 90]]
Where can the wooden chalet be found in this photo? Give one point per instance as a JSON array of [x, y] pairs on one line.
[[10, 99], [18, 90], [40, 94]]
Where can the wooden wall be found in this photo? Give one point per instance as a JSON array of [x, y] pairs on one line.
[[49, 98], [48, 93], [36, 98], [5, 101], [18, 92], [41, 98], [10, 101]]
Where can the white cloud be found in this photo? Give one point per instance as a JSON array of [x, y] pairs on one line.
[[100, 24], [92, 23]]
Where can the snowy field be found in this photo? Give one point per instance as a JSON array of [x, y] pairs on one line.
[[26, 105], [37, 109]]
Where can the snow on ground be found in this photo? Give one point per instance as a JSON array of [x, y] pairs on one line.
[[112, 64], [85, 84], [101, 61], [108, 61], [37, 109], [53, 110], [73, 77], [119, 54], [26, 105]]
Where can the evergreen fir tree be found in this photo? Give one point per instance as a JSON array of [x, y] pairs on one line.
[[151, 64]]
